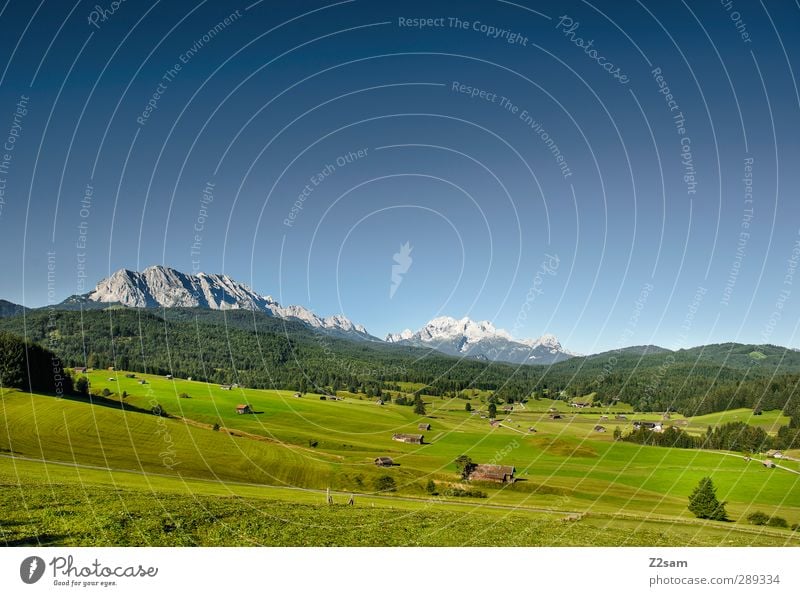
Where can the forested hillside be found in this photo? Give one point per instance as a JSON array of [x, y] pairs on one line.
[[257, 350]]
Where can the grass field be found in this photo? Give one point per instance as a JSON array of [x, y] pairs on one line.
[[283, 457]]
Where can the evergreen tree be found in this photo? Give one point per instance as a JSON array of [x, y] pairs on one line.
[[492, 410], [704, 504], [419, 406], [468, 407]]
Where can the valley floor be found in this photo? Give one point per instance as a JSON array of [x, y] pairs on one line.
[[106, 471]]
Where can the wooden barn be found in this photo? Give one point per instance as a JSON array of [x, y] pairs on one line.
[[493, 473], [80, 370], [244, 409], [408, 438], [555, 416], [599, 429], [384, 461], [423, 426]]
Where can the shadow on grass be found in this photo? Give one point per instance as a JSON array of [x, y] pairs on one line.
[[38, 540], [99, 400]]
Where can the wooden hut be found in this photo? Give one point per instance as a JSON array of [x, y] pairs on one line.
[[408, 438], [493, 473]]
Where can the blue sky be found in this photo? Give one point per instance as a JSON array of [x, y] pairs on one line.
[[579, 206]]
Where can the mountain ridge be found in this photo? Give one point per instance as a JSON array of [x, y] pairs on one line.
[[481, 339], [160, 286]]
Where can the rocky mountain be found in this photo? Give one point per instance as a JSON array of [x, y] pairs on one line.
[[159, 286], [480, 339]]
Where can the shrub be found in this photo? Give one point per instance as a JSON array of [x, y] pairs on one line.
[[215, 427], [82, 386], [313, 442], [184, 396], [777, 522], [468, 407], [430, 488], [758, 518], [460, 492], [106, 392], [385, 483], [464, 465]]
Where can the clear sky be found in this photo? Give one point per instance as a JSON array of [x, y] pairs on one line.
[[612, 173]]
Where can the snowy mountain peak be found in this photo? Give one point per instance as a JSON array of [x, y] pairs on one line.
[[442, 328], [481, 339], [398, 337], [160, 286]]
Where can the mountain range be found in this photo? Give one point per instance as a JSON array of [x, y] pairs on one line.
[[163, 287], [465, 337], [159, 286]]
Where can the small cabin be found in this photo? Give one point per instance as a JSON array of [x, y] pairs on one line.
[[508, 408], [423, 426], [169, 377], [599, 429], [225, 387], [298, 394], [244, 409], [493, 473], [620, 417], [142, 382], [580, 404], [603, 417], [768, 463], [531, 430], [494, 423], [408, 438], [384, 462], [80, 370], [555, 416]]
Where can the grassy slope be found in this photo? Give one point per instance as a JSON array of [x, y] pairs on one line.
[[54, 504], [566, 465]]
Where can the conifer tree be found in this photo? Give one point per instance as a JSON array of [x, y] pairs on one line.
[[704, 504]]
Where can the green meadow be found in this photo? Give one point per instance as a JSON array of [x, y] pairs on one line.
[[72, 469]]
